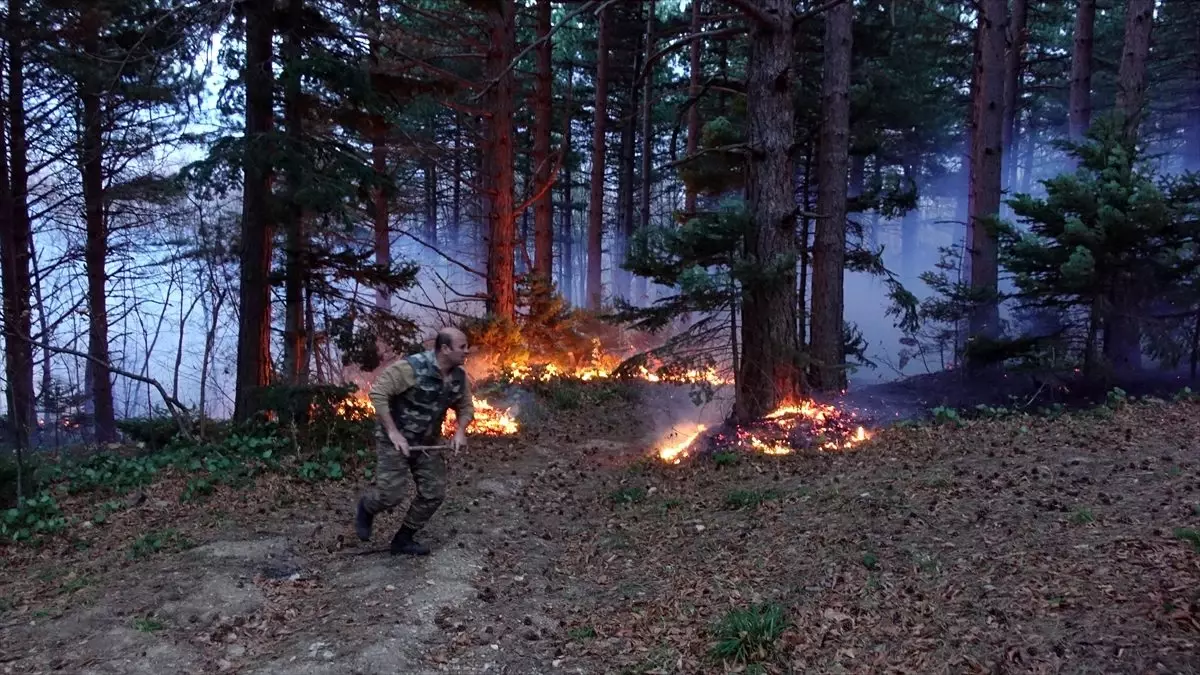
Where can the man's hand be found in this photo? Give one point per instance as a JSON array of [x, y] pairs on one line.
[[399, 441], [459, 442]]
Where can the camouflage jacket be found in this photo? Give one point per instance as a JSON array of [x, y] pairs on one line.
[[416, 396]]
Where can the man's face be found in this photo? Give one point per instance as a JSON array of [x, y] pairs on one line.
[[456, 351]]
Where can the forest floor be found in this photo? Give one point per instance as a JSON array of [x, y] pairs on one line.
[[1026, 544]]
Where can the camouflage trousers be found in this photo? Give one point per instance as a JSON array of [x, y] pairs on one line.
[[428, 469]]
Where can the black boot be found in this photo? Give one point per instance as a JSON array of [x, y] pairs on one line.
[[403, 543], [363, 520]]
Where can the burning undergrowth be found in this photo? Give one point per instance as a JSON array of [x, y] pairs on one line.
[[793, 427]]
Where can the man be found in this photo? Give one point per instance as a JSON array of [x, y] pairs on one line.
[[411, 397]]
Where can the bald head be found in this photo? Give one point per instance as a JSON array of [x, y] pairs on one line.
[[450, 347]]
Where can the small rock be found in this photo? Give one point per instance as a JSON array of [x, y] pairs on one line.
[[495, 647], [389, 588], [223, 665], [235, 651], [699, 527]]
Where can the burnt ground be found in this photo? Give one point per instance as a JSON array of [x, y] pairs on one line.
[[1026, 544]]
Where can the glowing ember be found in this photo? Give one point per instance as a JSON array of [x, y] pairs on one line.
[[676, 449], [804, 424], [488, 421]]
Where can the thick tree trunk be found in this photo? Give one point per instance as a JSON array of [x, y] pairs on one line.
[[1131, 77], [498, 147], [543, 215], [295, 339], [985, 164], [96, 246], [693, 115], [1122, 333], [1014, 65], [595, 238], [16, 241], [1080, 97], [770, 351], [829, 244], [254, 329]]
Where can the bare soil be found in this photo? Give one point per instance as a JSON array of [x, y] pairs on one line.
[[1026, 545]]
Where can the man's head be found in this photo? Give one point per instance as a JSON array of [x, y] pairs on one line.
[[450, 347]]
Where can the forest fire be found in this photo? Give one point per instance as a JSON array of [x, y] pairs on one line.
[[524, 372], [792, 426], [489, 420]]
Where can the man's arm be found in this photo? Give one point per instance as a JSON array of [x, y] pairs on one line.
[[394, 380]]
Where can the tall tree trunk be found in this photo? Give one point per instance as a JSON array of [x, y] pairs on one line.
[[1122, 333], [295, 341], [910, 225], [566, 282], [625, 223], [770, 351], [96, 246], [1014, 66], [379, 194], [829, 245], [543, 102], [431, 202], [1131, 77], [498, 148], [806, 228], [456, 189], [254, 329], [16, 245], [693, 115], [639, 283], [595, 238], [985, 164], [1080, 98]]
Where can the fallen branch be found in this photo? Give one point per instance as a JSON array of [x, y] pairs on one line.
[[178, 410]]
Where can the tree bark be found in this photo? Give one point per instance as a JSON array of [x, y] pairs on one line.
[[985, 164], [16, 242], [498, 149], [1122, 332], [693, 114], [1131, 76], [543, 215], [96, 245], [295, 340], [1080, 98], [770, 351], [254, 327], [829, 244], [595, 242]]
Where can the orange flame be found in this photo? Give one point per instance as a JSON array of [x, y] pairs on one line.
[[524, 372], [676, 450], [820, 417], [488, 420]]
